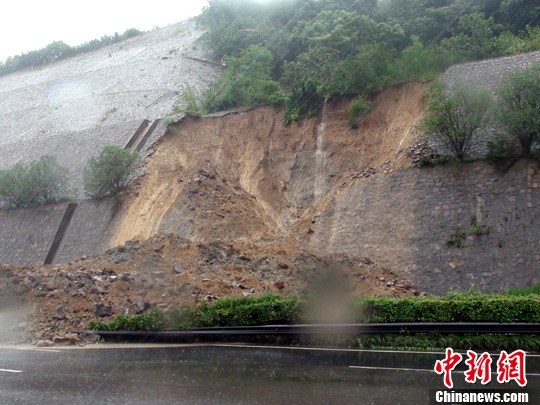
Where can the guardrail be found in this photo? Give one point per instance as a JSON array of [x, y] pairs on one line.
[[323, 329]]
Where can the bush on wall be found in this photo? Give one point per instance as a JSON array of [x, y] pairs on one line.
[[42, 181], [114, 169], [454, 116], [519, 113]]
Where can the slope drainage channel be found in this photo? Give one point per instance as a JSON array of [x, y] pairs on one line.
[[147, 134], [66, 219], [320, 330]]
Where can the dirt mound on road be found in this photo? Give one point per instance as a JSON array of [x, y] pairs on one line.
[[167, 271]]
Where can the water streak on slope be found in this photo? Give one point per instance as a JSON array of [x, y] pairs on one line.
[[247, 175], [320, 154]]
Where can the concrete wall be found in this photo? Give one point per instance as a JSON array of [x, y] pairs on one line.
[[30, 236], [90, 229], [403, 221], [26, 235]]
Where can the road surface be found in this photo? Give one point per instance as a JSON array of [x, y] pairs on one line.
[[221, 374]]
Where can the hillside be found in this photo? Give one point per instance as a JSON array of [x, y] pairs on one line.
[[72, 108], [208, 174], [223, 223], [239, 203], [294, 155]]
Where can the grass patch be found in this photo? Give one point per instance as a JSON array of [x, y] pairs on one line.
[[436, 341], [521, 291], [457, 238]]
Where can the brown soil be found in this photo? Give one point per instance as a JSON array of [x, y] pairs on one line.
[[224, 208], [168, 271], [247, 175]]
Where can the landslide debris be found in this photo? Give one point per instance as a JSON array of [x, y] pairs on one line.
[[247, 175], [167, 271]]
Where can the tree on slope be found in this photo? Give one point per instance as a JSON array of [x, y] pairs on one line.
[[114, 169], [453, 117]]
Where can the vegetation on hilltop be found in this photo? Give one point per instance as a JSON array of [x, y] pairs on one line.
[[316, 49], [59, 50]]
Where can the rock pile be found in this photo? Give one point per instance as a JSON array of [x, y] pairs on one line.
[[168, 271]]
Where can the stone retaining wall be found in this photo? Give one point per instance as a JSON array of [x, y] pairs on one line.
[[404, 221], [26, 235]]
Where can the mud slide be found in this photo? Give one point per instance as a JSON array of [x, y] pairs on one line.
[[246, 175]]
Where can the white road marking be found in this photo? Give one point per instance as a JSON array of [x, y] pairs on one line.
[[38, 350], [393, 368], [10, 371], [331, 349], [418, 369]]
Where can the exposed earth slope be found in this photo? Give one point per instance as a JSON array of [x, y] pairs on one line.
[[247, 175], [217, 213]]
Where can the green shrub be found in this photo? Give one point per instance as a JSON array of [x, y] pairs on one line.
[[508, 43], [479, 230], [114, 169], [453, 308], [191, 101], [231, 311], [42, 181], [503, 148], [246, 82], [519, 108], [532, 290], [420, 62], [457, 238], [152, 320], [453, 117], [357, 107], [228, 311], [275, 309]]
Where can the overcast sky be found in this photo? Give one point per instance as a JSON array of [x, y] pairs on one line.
[[26, 25]]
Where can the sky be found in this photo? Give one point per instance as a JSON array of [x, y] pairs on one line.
[[28, 25]]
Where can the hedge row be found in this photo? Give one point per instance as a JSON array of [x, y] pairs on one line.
[[274, 309], [453, 308]]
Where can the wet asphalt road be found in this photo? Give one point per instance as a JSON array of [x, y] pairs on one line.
[[222, 375]]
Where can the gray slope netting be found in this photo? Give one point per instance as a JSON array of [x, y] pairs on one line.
[[72, 108], [488, 73]]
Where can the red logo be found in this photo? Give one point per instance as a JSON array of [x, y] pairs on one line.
[[479, 367], [512, 367], [447, 365], [509, 367]]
